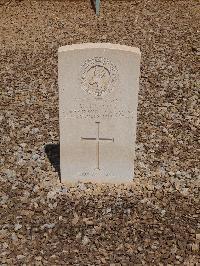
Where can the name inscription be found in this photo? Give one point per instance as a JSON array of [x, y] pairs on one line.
[[96, 110]]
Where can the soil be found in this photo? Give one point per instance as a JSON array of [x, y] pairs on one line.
[[155, 220]]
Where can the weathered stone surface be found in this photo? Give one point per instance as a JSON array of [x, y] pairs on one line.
[[98, 90]]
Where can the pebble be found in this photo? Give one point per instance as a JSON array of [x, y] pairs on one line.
[[195, 247], [38, 258], [20, 257], [75, 219], [14, 237], [198, 236], [48, 226], [85, 240], [17, 227]]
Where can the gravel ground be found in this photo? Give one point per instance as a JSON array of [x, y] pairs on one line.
[[155, 220]]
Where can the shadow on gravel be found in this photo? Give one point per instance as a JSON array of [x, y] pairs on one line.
[[53, 153]]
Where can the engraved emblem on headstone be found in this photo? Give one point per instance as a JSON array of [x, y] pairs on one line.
[[99, 76]]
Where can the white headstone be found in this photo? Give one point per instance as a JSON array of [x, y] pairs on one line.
[[98, 96]]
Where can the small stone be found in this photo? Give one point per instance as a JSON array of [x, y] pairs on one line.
[[4, 199], [195, 247], [34, 130], [179, 258], [85, 240], [3, 233], [51, 195], [88, 221], [35, 205], [154, 247], [17, 227], [48, 226], [14, 237], [171, 173], [5, 245], [20, 257], [36, 188], [78, 236], [82, 186], [185, 191], [103, 260], [163, 212], [198, 236], [75, 219], [10, 173], [108, 210], [178, 173], [38, 258]]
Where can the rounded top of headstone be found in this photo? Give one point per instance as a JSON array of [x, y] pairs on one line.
[[99, 45]]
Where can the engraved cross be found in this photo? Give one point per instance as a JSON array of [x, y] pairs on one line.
[[98, 140]]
